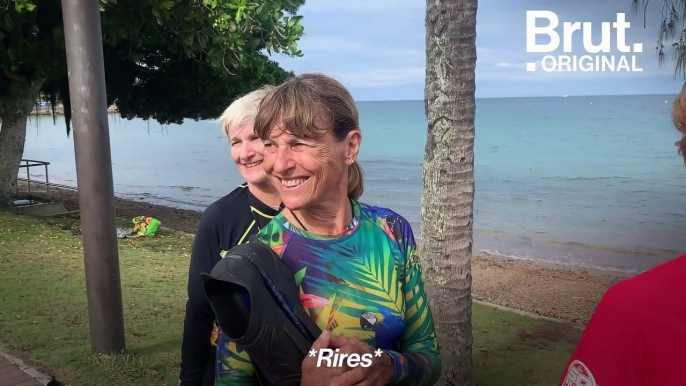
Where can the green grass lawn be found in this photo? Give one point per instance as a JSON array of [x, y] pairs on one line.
[[44, 317]]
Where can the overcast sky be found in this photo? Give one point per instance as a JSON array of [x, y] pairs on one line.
[[377, 48]]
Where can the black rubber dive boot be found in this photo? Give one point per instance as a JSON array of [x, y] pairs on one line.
[[281, 283], [257, 305]]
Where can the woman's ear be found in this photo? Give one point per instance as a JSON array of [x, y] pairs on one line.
[[354, 140]]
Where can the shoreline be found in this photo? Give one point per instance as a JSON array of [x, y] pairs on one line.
[[59, 110], [566, 293]]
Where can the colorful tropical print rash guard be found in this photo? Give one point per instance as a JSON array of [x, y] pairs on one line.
[[364, 283]]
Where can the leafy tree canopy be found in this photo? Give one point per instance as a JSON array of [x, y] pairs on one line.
[[672, 32], [164, 59]]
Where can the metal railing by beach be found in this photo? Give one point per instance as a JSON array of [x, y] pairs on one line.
[[51, 184], [30, 163], [30, 202]]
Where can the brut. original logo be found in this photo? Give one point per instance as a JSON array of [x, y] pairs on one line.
[[597, 59]]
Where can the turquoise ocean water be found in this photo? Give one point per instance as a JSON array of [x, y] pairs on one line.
[[585, 181]]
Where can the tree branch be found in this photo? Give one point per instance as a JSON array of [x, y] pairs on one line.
[[644, 13], [16, 77]]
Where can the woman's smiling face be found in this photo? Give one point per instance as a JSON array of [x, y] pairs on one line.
[[305, 171], [247, 151]]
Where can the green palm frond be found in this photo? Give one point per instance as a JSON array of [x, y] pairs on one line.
[[419, 322]]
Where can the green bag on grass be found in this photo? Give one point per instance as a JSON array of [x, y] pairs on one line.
[[145, 226]]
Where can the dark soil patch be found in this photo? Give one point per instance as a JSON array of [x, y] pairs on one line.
[[547, 334]]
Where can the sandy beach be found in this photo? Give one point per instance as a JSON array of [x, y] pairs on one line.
[[555, 292]]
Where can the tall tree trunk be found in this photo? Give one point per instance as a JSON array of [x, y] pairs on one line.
[[15, 106], [448, 197]]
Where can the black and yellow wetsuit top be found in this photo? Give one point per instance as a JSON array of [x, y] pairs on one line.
[[226, 223]]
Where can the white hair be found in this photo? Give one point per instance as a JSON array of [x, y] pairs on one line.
[[242, 110]]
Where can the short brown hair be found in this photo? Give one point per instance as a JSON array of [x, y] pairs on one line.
[[308, 106], [679, 119]]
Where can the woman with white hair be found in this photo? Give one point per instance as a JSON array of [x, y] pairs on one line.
[[226, 223]]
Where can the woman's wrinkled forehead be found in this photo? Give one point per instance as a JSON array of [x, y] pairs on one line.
[[301, 117], [277, 132], [280, 135], [294, 128]]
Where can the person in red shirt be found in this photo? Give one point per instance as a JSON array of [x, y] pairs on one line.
[[637, 334]]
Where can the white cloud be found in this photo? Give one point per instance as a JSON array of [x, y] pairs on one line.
[[364, 5], [382, 77], [330, 43], [373, 44], [336, 45]]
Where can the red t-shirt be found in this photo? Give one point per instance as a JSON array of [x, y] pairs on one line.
[[637, 334]]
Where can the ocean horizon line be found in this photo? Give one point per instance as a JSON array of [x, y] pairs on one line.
[[528, 97]]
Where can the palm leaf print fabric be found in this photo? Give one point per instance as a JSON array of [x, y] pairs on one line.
[[364, 283]]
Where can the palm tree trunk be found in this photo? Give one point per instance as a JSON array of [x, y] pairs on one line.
[[448, 197]]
